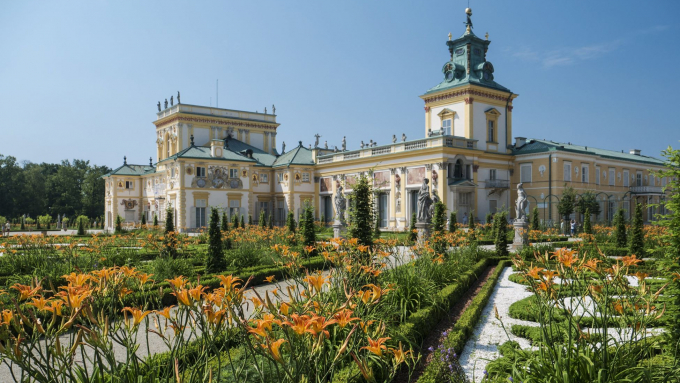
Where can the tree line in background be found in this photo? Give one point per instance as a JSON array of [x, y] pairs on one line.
[[71, 188]]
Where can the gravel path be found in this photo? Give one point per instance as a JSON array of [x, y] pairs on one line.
[[488, 334]]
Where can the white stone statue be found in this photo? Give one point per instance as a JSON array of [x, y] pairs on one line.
[[521, 203], [424, 202], [340, 204]]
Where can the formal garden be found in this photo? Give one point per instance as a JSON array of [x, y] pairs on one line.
[[248, 302]]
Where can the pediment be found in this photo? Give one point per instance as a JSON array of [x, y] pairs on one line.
[[446, 112], [492, 111]]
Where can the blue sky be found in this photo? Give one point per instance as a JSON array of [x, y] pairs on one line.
[[81, 79]]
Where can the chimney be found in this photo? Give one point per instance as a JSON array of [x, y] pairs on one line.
[[635, 152], [520, 141], [216, 147]]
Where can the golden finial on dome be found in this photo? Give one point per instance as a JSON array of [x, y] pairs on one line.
[[468, 11], [449, 36], [487, 35]]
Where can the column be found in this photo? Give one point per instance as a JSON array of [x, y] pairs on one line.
[[469, 117], [273, 143]]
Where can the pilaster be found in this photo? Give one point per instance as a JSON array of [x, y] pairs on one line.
[[469, 120]]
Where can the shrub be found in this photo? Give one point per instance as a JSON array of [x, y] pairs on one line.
[[535, 220], [45, 221], [439, 217], [81, 227], [361, 211], [308, 232], [290, 222], [587, 226], [453, 223], [412, 233], [262, 222], [376, 229], [620, 229], [637, 236], [501, 240], [271, 222], [250, 219], [243, 225], [169, 221], [155, 220], [119, 225], [215, 260], [143, 219], [23, 225], [234, 221], [225, 222]]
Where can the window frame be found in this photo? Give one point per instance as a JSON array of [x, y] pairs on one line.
[[612, 176], [305, 177], [264, 178], [200, 171], [626, 178], [566, 174], [233, 171], [585, 174], [521, 172], [597, 175], [446, 130]]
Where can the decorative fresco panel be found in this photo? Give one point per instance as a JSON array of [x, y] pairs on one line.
[[350, 181], [415, 176], [381, 179], [325, 185]]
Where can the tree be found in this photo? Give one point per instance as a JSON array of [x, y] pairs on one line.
[[637, 237], [472, 222], [155, 220], [23, 225], [262, 222], [143, 219], [535, 220], [376, 229], [242, 222], [501, 235], [489, 218], [215, 261], [270, 223], [308, 232], [169, 221], [234, 221], [453, 223], [587, 226], [587, 201], [250, 219], [361, 211], [671, 221], [412, 232], [566, 205]]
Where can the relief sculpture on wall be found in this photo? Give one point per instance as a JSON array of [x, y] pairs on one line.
[[217, 178]]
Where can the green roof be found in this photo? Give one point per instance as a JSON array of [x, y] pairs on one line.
[[131, 170], [538, 146], [263, 158], [203, 152], [298, 156]]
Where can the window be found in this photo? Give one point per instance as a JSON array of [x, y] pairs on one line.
[[525, 173], [281, 208], [465, 198], [597, 177], [129, 184], [492, 174], [652, 180], [264, 207], [167, 145], [612, 177], [493, 207], [305, 177], [264, 178], [279, 177], [172, 172], [200, 212], [584, 174], [638, 179], [626, 178], [233, 173], [446, 127], [567, 171], [492, 129], [234, 208], [200, 171]]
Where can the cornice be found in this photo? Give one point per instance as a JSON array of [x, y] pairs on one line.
[[212, 121], [445, 95]]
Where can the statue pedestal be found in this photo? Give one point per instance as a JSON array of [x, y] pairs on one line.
[[521, 234], [424, 229], [338, 229]]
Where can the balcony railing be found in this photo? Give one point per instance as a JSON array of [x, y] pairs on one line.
[[646, 189], [397, 147], [498, 184]]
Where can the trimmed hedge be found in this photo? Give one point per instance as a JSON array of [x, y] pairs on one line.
[[421, 322], [462, 330]]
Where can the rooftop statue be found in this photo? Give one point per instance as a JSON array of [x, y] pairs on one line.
[[403, 137], [171, 101], [166, 103], [159, 106], [344, 143], [178, 98]]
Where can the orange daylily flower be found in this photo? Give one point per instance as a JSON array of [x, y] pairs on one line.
[[630, 260], [229, 281], [7, 316], [178, 282], [39, 303], [300, 323], [143, 278], [74, 296], [592, 264], [316, 282], [137, 314], [318, 324], [183, 297], [399, 354], [270, 279], [284, 308], [534, 272], [376, 346], [344, 317], [274, 349], [77, 279], [55, 307], [165, 312], [26, 292]]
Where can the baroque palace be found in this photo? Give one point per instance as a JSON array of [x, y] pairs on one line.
[[212, 157]]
